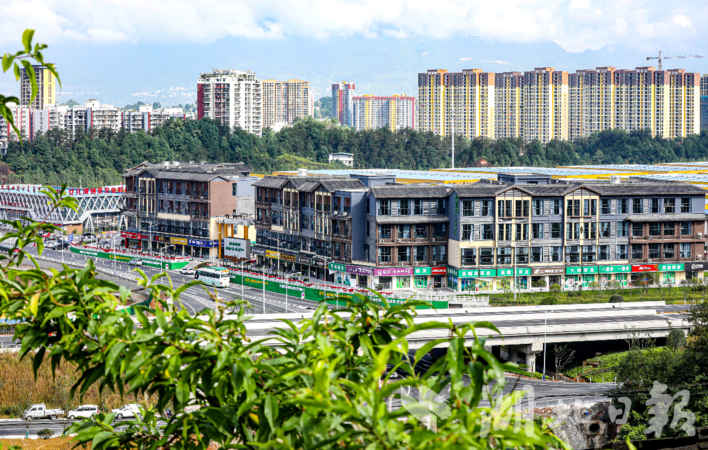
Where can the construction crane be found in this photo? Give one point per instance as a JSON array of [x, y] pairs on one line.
[[677, 55]]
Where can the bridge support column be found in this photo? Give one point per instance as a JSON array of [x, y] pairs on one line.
[[531, 351], [513, 354]]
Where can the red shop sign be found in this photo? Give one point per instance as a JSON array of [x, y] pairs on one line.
[[438, 270], [646, 268]]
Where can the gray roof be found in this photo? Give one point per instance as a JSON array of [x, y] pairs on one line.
[[640, 186], [666, 217], [343, 185], [411, 219], [410, 191], [170, 170], [271, 182], [550, 190]]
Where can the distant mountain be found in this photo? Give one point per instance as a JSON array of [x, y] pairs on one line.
[[122, 74]]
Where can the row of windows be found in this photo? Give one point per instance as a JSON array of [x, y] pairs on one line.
[[412, 253], [407, 207], [592, 230]]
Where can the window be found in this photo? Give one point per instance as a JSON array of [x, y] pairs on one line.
[[556, 254], [556, 207], [556, 230], [669, 205], [486, 209], [685, 205], [590, 230], [404, 254], [622, 229], [685, 228], [421, 253], [417, 207], [623, 204], [486, 256], [384, 254], [669, 251], [384, 231], [605, 206], [604, 229], [504, 256], [572, 231], [386, 282], [655, 229], [519, 211], [234, 189], [604, 253], [572, 254], [654, 251], [442, 206], [404, 208], [669, 229], [538, 207], [637, 251], [467, 208], [622, 252], [469, 256], [439, 253], [654, 206], [573, 208], [488, 231], [384, 207], [589, 207], [504, 208], [522, 232], [368, 229], [504, 232], [637, 229], [404, 232], [522, 255], [637, 206], [368, 206], [537, 230], [685, 250], [589, 253], [421, 231], [467, 232], [536, 254]]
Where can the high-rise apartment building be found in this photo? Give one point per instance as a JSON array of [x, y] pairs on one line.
[[232, 96], [704, 101], [283, 101], [544, 98], [461, 102], [46, 82], [591, 101], [507, 105], [342, 103], [396, 112]]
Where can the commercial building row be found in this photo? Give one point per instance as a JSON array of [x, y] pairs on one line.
[[546, 103], [364, 230]]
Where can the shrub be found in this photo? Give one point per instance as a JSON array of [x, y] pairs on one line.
[[548, 301], [676, 340], [616, 299], [540, 283], [45, 433]]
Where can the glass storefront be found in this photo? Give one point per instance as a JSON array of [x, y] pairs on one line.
[[420, 281], [668, 278], [403, 282], [621, 278], [587, 279]]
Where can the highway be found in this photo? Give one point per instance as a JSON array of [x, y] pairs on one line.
[[17, 428]]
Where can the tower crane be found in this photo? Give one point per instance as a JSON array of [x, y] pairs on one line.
[[678, 55]]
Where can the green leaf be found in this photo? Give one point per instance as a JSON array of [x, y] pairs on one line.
[[27, 40], [7, 62], [182, 392], [270, 410]]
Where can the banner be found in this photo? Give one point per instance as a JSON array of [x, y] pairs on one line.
[[238, 248]]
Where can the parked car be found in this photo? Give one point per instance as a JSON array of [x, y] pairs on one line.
[[136, 262], [130, 410], [58, 246], [186, 271], [40, 411], [83, 411]]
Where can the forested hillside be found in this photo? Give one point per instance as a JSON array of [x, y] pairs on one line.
[[99, 157]]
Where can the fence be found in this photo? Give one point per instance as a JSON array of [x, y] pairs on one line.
[[159, 262]]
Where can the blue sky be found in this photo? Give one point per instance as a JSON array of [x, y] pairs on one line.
[[124, 51]]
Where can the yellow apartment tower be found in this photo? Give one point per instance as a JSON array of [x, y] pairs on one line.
[[283, 101], [46, 81]]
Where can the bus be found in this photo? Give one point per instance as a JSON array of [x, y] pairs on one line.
[[213, 276]]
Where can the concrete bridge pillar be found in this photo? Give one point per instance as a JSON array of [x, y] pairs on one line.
[[513, 354], [531, 351]]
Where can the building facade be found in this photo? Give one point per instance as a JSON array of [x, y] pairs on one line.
[[235, 97], [173, 207], [284, 101], [372, 112], [544, 102], [46, 82], [507, 103], [342, 103], [368, 231]]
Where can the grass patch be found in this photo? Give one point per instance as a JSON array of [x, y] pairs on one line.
[[605, 371]]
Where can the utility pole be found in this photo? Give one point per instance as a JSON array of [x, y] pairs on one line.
[[453, 135]]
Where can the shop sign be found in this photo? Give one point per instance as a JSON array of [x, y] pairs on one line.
[[182, 241], [670, 267], [645, 268], [547, 271], [319, 263], [287, 257], [161, 238], [360, 270], [438, 270], [258, 251], [272, 254], [577, 270], [615, 269], [302, 260], [337, 267], [129, 235], [510, 272], [393, 271], [695, 266], [236, 247], [421, 271], [202, 243]]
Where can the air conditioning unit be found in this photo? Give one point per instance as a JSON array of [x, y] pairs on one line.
[[699, 257], [700, 235]]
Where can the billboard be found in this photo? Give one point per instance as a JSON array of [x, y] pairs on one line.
[[239, 248]]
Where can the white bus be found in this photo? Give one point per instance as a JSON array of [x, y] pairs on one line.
[[213, 276]]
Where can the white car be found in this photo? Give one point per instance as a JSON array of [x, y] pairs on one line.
[[131, 410], [186, 271], [83, 411], [136, 262]]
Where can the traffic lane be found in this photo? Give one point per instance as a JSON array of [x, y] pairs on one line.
[[18, 427]]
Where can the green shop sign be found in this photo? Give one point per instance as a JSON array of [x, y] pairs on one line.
[[472, 273], [670, 267], [510, 272], [337, 267], [615, 269], [421, 271], [577, 270]]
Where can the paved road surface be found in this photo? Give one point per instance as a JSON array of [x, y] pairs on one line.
[[17, 427]]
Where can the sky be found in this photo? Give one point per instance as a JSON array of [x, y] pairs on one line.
[[120, 52]]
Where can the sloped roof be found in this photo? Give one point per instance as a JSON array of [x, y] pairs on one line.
[[646, 187], [410, 191]]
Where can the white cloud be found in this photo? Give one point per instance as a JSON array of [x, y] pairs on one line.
[[576, 25]]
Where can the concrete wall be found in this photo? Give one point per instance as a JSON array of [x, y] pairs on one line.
[[221, 198]]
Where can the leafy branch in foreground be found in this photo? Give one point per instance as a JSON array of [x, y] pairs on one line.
[[22, 56], [321, 383]]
